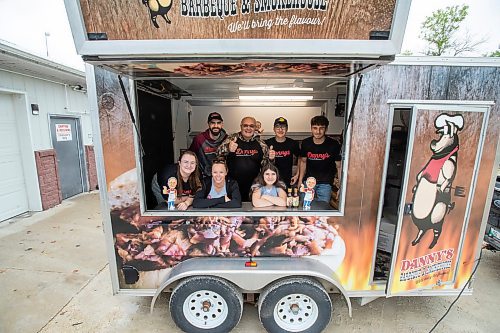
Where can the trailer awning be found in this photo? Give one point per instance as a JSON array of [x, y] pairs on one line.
[[350, 29]]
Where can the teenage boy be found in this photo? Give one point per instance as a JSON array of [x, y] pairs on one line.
[[285, 149], [318, 157], [205, 144], [245, 153]]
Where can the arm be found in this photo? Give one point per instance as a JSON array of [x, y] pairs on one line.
[[258, 201], [296, 153], [223, 149], [280, 200], [302, 169], [235, 196], [201, 202], [339, 169], [186, 201], [265, 153]]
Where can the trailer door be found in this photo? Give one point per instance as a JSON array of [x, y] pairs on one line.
[[444, 149]]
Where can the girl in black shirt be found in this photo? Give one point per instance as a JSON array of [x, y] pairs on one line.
[[188, 179]]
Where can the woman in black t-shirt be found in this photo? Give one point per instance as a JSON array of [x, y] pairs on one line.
[[188, 179]]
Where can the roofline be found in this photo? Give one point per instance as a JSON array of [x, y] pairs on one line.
[[447, 61], [26, 56]]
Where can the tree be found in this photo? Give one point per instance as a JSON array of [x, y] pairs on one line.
[[493, 54], [439, 31]]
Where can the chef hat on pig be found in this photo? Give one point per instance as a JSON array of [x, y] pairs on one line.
[[444, 119]]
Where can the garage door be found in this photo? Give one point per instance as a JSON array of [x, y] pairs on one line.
[[13, 196]]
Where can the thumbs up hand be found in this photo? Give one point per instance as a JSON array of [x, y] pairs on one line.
[[233, 145], [272, 153]]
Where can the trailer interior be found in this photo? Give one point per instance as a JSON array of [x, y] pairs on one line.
[[172, 108]]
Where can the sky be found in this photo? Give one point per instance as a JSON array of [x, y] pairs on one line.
[[24, 24]]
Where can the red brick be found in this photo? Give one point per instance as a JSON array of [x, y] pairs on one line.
[[48, 178], [91, 167]]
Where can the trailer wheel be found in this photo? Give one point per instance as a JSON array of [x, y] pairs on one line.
[[295, 305], [206, 304]]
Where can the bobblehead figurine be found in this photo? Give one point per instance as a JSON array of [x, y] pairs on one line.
[[308, 192], [171, 192]]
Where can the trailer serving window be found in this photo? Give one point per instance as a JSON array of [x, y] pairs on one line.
[[172, 110]]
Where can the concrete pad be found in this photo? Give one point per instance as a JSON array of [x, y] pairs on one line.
[[30, 298], [70, 238], [46, 259]]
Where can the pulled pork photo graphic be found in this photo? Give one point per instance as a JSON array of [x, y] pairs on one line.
[[166, 245]]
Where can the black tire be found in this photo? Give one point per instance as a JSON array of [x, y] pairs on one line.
[[305, 291], [223, 291]]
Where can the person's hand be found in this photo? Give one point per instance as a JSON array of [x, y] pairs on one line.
[[233, 145], [182, 206], [226, 198], [301, 189], [294, 179], [272, 153]]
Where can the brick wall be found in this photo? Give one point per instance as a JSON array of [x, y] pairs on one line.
[[48, 178], [91, 167]]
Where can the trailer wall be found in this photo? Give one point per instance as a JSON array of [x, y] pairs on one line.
[[411, 82]]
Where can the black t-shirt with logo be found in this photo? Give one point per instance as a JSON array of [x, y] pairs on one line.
[[321, 159], [244, 165], [171, 171], [285, 151]]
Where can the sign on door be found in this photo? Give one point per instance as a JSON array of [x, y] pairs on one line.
[[63, 132]]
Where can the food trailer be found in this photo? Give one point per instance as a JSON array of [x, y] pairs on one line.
[[410, 201]]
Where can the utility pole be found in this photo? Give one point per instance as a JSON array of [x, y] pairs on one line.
[[47, 34]]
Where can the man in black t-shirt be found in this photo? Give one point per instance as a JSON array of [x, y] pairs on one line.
[[285, 149], [318, 157], [245, 153]]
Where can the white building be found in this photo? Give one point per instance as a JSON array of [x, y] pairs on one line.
[[46, 147]]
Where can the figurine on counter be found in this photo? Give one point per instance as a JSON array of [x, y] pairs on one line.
[[308, 192], [171, 192]]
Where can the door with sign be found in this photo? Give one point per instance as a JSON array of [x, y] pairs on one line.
[[66, 141], [444, 150]]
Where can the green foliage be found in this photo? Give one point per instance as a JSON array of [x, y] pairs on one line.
[[493, 54], [439, 28]]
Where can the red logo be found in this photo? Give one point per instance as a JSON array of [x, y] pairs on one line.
[[313, 156], [246, 152], [282, 153]]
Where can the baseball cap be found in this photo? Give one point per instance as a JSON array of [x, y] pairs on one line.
[[281, 122], [214, 115]]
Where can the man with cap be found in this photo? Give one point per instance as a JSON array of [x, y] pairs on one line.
[[205, 144], [285, 149], [245, 153]]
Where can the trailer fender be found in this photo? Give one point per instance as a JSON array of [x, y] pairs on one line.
[[253, 279]]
